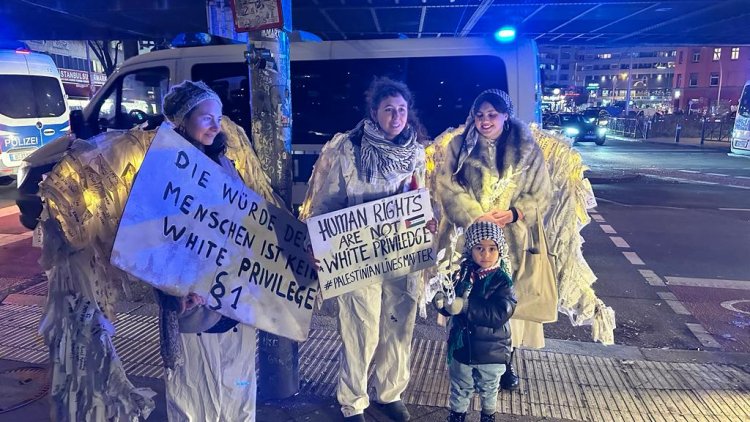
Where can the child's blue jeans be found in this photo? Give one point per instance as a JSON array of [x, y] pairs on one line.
[[465, 379]]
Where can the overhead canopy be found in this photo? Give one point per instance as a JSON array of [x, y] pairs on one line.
[[561, 22]]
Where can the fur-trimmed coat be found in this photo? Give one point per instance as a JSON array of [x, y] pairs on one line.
[[529, 184], [524, 185]]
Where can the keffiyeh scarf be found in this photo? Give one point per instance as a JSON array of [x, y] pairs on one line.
[[382, 160]]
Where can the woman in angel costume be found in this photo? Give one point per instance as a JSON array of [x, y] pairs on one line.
[[498, 169], [209, 359], [380, 157]]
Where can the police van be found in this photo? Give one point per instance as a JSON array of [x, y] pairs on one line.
[[33, 109], [328, 81]]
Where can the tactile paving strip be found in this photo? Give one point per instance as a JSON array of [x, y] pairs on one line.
[[553, 385]]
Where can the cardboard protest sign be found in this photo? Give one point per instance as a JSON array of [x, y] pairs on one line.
[[192, 226], [373, 242]]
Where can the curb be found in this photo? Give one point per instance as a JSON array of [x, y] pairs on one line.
[[32, 281], [618, 351]]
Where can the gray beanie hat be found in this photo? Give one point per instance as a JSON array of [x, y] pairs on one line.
[[184, 97], [484, 230]]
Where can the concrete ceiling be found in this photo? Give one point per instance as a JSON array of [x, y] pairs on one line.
[[557, 22]]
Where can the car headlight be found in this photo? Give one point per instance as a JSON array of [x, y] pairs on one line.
[[601, 131], [571, 131], [603, 122], [23, 172]]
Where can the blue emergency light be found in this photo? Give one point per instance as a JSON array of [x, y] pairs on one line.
[[505, 34]]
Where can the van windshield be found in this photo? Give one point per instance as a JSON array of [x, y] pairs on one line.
[[26, 96], [744, 109]]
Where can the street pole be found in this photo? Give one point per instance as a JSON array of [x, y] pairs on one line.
[[271, 112], [718, 97], [630, 82]]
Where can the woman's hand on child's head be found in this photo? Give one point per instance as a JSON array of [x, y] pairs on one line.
[[432, 225], [493, 216]]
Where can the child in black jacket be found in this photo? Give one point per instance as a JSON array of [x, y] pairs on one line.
[[479, 343]]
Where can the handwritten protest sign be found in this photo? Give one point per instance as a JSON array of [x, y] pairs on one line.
[[192, 226], [373, 242]]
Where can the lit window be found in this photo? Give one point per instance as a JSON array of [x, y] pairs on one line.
[[735, 53], [604, 56], [696, 56], [717, 54]]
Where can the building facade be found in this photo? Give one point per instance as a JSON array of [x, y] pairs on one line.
[[710, 79], [606, 73]]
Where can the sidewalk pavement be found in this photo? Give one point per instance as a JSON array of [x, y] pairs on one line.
[[568, 380], [684, 142]]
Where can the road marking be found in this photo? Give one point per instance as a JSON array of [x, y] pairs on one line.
[[608, 229], [633, 258], [598, 218], [13, 209], [6, 239], [742, 177], [716, 283], [703, 336], [673, 303], [689, 171], [734, 209], [651, 277], [729, 304], [717, 174], [702, 182], [738, 187], [619, 242]]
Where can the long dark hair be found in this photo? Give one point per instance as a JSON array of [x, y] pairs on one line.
[[213, 151], [502, 143], [384, 87]]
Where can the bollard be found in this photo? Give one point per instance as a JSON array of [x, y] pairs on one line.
[[703, 130], [677, 134]]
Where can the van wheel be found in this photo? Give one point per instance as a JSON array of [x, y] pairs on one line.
[[600, 141], [6, 180]]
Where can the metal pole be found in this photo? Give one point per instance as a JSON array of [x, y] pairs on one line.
[[88, 67], [630, 82], [271, 108], [718, 98]]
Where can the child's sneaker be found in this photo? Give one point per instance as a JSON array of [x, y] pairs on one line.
[[456, 417], [487, 418]]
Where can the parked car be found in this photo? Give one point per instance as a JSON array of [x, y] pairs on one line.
[[576, 127]]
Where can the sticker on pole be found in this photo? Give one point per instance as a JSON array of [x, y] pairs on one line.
[[192, 226], [374, 242]]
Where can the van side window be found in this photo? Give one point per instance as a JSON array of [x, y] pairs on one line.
[[230, 81], [30, 96], [133, 99], [327, 95]]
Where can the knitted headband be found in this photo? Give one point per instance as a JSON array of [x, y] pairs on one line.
[[483, 230], [184, 97]]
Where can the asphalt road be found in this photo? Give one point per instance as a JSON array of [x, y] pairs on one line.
[[669, 248]]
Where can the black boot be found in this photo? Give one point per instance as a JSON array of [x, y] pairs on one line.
[[396, 411], [509, 380], [487, 418], [456, 417]]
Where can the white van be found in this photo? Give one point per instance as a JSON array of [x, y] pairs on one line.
[[33, 110], [328, 80], [741, 132]]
